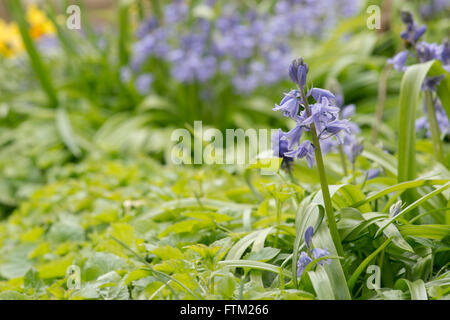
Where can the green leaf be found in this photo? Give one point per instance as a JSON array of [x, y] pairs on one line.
[[226, 286], [322, 284], [239, 247], [65, 231], [263, 255], [186, 226], [409, 94], [253, 265], [429, 231], [416, 288], [443, 89], [13, 295], [66, 132], [413, 205], [398, 187], [136, 275], [387, 161], [168, 252], [101, 263], [123, 232], [31, 279], [56, 268]]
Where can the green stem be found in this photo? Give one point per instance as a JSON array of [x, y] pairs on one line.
[[434, 127], [123, 33], [18, 14], [343, 161], [277, 234], [324, 183]]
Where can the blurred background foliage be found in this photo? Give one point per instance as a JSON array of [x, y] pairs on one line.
[[98, 112]]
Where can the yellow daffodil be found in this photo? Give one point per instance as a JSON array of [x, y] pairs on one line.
[[10, 39], [39, 24]]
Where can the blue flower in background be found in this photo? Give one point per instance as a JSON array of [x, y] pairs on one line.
[[373, 173], [303, 262], [143, 83], [399, 60], [234, 39], [424, 51], [412, 32]]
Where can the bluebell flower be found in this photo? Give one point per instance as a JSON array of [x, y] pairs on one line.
[[143, 83], [412, 32], [280, 147], [441, 117], [352, 148], [348, 111], [333, 128], [373, 173], [294, 135], [175, 11], [125, 74], [314, 253], [427, 51], [445, 55], [318, 94], [305, 150], [399, 60], [289, 105], [146, 27], [308, 236], [428, 10], [298, 71], [320, 253], [303, 262], [431, 83], [322, 113]]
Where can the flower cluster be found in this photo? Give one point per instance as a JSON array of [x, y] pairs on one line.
[[351, 146], [312, 253], [424, 51], [434, 7], [322, 116], [247, 45]]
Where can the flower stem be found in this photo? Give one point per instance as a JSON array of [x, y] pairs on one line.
[[324, 183], [343, 161], [434, 127], [277, 234]]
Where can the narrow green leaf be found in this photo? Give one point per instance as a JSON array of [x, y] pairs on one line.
[[430, 231], [413, 206], [409, 95], [42, 73]]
